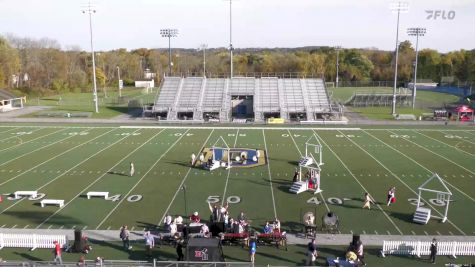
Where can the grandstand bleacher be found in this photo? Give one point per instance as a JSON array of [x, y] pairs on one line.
[[248, 98]]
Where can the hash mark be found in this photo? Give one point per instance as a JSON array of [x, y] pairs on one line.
[[413, 233], [438, 232], [389, 233], [14, 226]]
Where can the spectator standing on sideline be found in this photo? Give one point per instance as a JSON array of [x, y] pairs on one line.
[[367, 201], [132, 169], [124, 235], [57, 253], [311, 253], [391, 195], [433, 250], [179, 248], [360, 253], [252, 249], [149, 243]]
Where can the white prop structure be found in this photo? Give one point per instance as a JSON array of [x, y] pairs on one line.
[[221, 155], [309, 166], [434, 185]]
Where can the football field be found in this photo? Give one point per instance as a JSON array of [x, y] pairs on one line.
[[66, 162]]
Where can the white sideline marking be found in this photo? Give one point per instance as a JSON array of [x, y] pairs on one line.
[[18, 136], [183, 181], [356, 179], [402, 182], [22, 155], [411, 159], [234, 128], [229, 172], [140, 180], [15, 203], [437, 154], [60, 154], [100, 177], [456, 148], [270, 175]]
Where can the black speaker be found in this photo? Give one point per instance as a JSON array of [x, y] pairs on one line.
[[216, 228], [78, 241], [193, 229]]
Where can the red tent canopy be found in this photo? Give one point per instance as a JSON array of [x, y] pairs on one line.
[[463, 108]]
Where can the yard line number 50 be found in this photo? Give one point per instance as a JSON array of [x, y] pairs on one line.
[[230, 199]]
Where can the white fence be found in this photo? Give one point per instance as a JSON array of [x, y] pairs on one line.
[[418, 248], [32, 241]]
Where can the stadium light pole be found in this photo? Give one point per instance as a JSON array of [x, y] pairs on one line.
[[397, 7], [118, 77], [203, 47], [231, 48], [90, 10], [169, 33], [337, 48], [415, 32]]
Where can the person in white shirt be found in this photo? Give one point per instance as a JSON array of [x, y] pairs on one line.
[[149, 243], [132, 169]]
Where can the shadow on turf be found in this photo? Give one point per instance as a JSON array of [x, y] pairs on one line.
[[28, 256], [38, 217], [117, 173]]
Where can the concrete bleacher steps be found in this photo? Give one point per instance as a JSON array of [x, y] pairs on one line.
[[298, 187], [422, 215], [271, 95]]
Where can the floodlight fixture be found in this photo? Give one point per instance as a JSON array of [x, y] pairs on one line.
[[89, 9], [397, 7], [337, 49], [169, 33], [203, 48], [418, 31]]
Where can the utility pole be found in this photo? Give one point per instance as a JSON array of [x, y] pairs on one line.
[[398, 7], [415, 32], [90, 10]]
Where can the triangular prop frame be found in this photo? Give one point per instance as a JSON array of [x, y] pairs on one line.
[[446, 194]]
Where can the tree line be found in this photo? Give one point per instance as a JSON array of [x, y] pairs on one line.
[[42, 66]]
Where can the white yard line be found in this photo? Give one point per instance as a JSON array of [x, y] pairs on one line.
[[33, 151], [296, 146], [270, 175], [22, 143], [14, 127], [65, 172], [361, 185], [229, 172], [456, 148], [183, 181], [437, 154], [443, 132], [140, 180], [98, 178], [423, 167], [401, 181], [48, 160], [18, 136]]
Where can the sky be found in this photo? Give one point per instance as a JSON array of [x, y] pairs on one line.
[[255, 23]]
